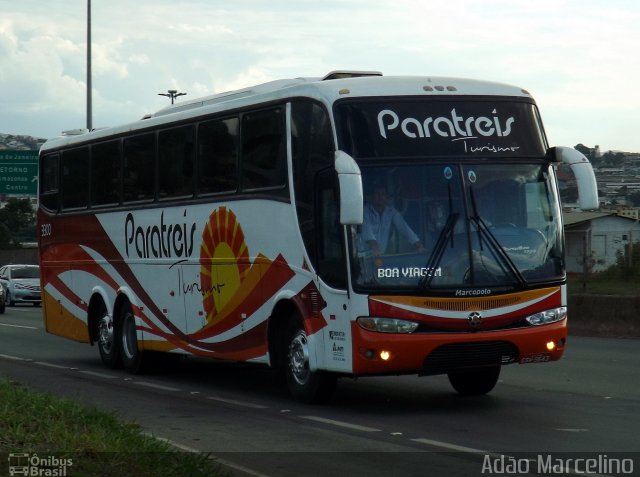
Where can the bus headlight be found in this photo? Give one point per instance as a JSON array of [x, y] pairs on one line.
[[386, 325], [548, 316]]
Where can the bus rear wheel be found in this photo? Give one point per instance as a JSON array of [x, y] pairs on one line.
[[475, 382], [305, 385], [132, 357], [106, 338]]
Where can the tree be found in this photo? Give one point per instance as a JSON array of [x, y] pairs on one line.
[[589, 153], [634, 197], [613, 159], [627, 265], [16, 216]]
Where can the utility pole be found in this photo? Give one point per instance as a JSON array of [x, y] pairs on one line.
[[89, 86]]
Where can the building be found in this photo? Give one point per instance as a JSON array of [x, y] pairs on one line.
[[595, 239]]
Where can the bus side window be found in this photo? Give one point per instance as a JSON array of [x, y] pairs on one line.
[[175, 162], [49, 169], [139, 168], [264, 152], [331, 257], [105, 173], [218, 156], [312, 149], [75, 172]]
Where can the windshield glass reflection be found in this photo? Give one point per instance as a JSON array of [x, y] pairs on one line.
[[457, 226]]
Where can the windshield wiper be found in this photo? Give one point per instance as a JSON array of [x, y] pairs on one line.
[[438, 249], [493, 243]]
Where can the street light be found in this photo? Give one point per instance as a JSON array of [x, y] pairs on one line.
[[172, 93]]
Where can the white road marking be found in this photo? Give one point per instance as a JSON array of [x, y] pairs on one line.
[[237, 403], [14, 358], [447, 445], [51, 365], [156, 386], [224, 462], [347, 425], [19, 326], [99, 375]]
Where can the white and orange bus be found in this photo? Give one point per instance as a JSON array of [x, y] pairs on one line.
[[353, 225]]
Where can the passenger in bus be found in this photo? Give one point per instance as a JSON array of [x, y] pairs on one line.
[[378, 220]]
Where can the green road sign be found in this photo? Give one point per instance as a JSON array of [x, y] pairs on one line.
[[18, 172]]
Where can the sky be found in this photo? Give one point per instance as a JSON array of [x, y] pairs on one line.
[[579, 59]]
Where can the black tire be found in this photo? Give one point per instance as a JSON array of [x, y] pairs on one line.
[[2, 307], [475, 382], [133, 359], [312, 387], [108, 345]]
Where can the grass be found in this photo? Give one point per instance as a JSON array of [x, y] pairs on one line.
[[602, 284], [97, 442]]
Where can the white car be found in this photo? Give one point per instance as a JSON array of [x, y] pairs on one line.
[[2, 295], [21, 284]]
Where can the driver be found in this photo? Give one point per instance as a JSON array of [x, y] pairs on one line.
[[378, 220]]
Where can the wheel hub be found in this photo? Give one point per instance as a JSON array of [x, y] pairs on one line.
[[299, 358], [105, 333]]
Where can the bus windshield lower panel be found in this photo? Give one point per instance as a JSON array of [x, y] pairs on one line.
[[445, 227]]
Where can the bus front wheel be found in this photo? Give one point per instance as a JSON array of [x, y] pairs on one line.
[[305, 385], [475, 382]]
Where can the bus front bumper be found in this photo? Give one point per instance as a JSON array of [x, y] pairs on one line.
[[439, 353]]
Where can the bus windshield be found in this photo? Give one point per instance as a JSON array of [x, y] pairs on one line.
[[457, 195], [448, 226]]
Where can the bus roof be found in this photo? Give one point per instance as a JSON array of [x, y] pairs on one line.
[[334, 86]]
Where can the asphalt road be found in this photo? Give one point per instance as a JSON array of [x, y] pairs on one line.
[[585, 406]]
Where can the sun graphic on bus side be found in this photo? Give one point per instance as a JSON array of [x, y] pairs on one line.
[[224, 262]]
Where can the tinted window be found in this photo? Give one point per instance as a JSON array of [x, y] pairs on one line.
[[49, 181], [263, 150], [75, 174], [218, 156], [330, 249], [455, 226], [105, 173], [409, 128], [312, 147], [139, 168], [175, 162], [25, 272]]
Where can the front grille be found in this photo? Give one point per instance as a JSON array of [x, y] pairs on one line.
[[472, 304], [455, 356]]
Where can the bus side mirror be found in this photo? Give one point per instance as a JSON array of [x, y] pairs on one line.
[[583, 171], [350, 182]]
